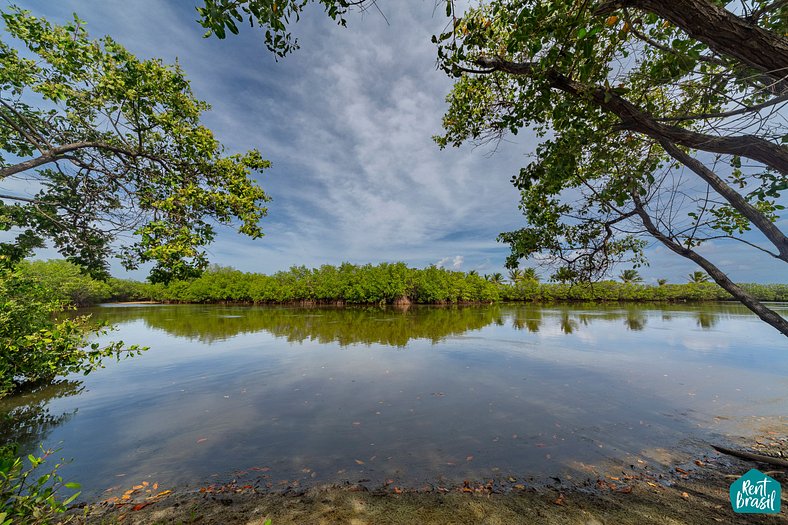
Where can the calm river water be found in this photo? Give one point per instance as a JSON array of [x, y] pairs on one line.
[[427, 393]]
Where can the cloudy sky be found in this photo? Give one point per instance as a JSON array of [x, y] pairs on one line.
[[347, 123]]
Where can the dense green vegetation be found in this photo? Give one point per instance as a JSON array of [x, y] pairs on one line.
[[369, 284], [37, 343], [386, 283]]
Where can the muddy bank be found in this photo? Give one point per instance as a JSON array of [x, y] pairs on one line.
[[633, 495]]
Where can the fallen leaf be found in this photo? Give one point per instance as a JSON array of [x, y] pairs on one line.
[[559, 500], [625, 490], [396, 490], [682, 471], [359, 462], [469, 458], [140, 506], [698, 462], [685, 495], [163, 493], [202, 440], [519, 487]]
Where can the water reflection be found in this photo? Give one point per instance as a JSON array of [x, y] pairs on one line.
[[26, 418], [367, 325], [707, 320], [397, 326]]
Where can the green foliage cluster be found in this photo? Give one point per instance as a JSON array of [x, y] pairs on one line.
[[614, 291], [116, 146], [26, 495], [385, 283], [36, 345], [347, 283]]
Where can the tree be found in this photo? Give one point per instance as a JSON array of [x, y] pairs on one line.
[[698, 277], [515, 275], [630, 276], [495, 278], [658, 120], [662, 117], [662, 282], [114, 145], [529, 274]]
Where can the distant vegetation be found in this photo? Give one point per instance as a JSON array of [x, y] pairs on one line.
[[368, 284]]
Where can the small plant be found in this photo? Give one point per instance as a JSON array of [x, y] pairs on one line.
[[28, 497]]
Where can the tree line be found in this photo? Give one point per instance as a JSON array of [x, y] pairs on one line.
[[385, 283]]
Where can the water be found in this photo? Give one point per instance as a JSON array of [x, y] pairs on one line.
[[423, 394]]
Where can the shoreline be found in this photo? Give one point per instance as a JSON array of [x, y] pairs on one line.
[[668, 493]]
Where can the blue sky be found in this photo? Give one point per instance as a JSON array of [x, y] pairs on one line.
[[347, 123]]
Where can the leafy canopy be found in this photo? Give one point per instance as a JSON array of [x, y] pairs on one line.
[[113, 144], [616, 91]]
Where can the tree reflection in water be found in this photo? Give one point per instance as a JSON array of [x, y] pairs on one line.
[[26, 419]]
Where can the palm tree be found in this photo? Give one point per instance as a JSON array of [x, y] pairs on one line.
[[698, 277], [496, 278], [515, 275], [529, 274], [473, 272], [630, 276], [662, 282]]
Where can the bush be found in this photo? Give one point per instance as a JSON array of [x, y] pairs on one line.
[[26, 495], [35, 345], [65, 282]]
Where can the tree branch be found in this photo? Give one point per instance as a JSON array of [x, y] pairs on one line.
[[59, 153], [767, 315], [752, 214], [635, 119], [733, 113]]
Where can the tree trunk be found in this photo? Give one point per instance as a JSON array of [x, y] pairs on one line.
[[725, 33]]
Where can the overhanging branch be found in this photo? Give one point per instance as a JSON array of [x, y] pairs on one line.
[[635, 119], [767, 315]]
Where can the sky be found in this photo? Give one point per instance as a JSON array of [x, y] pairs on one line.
[[346, 122]]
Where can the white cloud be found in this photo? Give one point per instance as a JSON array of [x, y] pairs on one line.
[[455, 262]]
